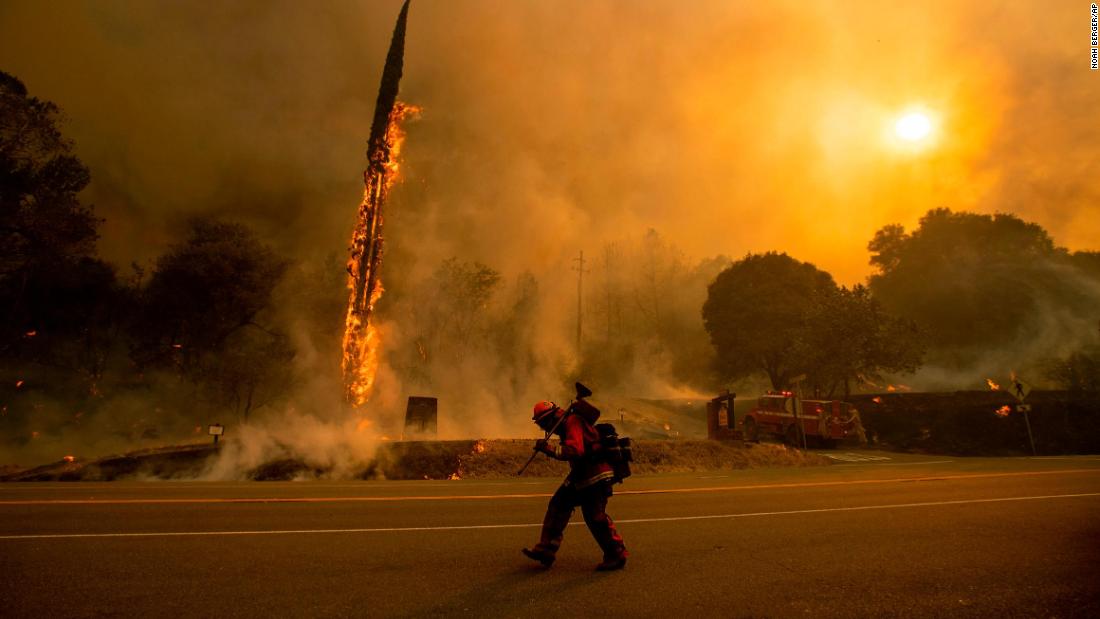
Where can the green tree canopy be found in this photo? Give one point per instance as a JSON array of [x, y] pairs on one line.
[[851, 338], [757, 314], [979, 283], [773, 314]]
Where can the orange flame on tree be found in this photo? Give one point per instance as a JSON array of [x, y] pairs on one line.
[[361, 335]]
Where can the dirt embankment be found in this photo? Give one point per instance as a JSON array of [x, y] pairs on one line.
[[468, 459]]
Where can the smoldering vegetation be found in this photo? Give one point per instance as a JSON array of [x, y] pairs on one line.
[[449, 460]]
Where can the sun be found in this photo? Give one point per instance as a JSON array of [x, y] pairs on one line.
[[913, 127]]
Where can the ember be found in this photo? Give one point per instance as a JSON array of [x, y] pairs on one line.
[[1003, 411], [992, 385]]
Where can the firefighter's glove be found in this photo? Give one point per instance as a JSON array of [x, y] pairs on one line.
[[543, 445]]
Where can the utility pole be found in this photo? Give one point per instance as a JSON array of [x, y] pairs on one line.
[[580, 289]]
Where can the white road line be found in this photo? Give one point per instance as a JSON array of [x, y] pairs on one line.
[[891, 463], [535, 524]]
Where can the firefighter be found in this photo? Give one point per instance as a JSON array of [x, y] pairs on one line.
[[588, 484]]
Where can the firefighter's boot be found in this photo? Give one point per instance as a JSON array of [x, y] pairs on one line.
[[542, 553], [613, 562]]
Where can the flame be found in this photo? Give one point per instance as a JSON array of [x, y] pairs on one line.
[[992, 385], [31, 333], [18, 384], [1003, 411], [395, 138], [454, 477], [361, 353], [876, 400], [479, 447], [361, 336], [891, 388], [69, 459]]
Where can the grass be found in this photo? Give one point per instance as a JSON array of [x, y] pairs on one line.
[[465, 459]]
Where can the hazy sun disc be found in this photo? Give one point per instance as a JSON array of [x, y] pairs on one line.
[[913, 126]]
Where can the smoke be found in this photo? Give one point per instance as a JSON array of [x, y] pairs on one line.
[[730, 128], [340, 449], [1061, 320]]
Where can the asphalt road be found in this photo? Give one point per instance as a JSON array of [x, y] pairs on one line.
[[904, 537]]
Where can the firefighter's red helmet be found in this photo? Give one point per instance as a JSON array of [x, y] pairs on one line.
[[542, 409]]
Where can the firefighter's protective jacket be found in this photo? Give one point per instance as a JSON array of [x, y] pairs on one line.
[[579, 445]]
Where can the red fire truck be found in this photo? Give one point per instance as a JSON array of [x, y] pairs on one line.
[[823, 422]]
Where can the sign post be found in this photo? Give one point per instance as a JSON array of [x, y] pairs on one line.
[[1020, 389], [216, 430]]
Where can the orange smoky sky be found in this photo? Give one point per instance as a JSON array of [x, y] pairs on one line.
[[550, 126]]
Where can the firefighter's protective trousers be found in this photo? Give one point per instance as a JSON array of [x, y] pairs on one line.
[[593, 503]]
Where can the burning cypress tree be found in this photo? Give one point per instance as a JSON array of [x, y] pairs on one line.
[[360, 361]]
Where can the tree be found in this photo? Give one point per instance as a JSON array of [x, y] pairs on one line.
[[1079, 371], [205, 315], [41, 218], [980, 283], [757, 315], [59, 304], [850, 337], [450, 310]]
